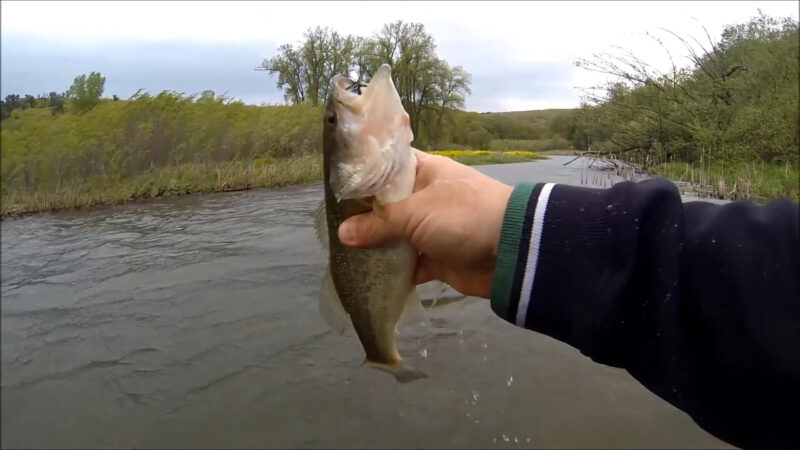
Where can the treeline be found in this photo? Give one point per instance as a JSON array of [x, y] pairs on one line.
[[736, 102], [84, 94], [121, 139], [53, 100], [429, 87]]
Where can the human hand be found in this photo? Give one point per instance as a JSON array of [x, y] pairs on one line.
[[453, 217]]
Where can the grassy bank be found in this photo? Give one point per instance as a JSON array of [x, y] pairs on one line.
[[194, 178], [477, 157], [737, 180], [165, 181]]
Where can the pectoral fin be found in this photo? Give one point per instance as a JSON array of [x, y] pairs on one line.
[[321, 225]]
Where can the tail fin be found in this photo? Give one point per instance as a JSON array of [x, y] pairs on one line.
[[402, 373]]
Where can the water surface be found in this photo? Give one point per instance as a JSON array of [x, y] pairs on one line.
[[193, 322]]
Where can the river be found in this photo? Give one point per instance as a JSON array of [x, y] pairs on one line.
[[193, 322]]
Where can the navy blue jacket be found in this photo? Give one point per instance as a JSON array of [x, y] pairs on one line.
[[700, 302]]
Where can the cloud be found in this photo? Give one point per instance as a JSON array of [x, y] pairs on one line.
[[548, 83], [33, 65], [519, 53]]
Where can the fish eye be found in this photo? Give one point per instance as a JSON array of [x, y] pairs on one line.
[[331, 119]]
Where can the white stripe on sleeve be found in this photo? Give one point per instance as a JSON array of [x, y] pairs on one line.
[[533, 254]]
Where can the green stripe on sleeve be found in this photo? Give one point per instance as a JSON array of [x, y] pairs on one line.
[[508, 248]]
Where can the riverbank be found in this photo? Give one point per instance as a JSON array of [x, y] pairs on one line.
[[199, 178], [479, 157], [733, 181], [164, 182]]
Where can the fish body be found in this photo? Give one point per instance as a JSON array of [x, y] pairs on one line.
[[367, 161]]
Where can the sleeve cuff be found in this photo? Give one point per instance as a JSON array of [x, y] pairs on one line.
[[511, 235], [554, 256]]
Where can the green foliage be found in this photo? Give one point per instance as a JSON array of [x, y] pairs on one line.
[[738, 179], [494, 158], [733, 112], [164, 181], [53, 100], [537, 145], [503, 131], [123, 139], [428, 87], [86, 91], [65, 160], [305, 73], [736, 102], [433, 92]]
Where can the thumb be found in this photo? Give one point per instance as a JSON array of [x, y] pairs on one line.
[[371, 229]]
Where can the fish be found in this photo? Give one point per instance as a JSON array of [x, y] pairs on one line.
[[368, 161]]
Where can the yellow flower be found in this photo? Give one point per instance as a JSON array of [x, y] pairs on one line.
[[454, 153]]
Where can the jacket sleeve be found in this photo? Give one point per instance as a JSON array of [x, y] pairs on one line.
[[699, 302]]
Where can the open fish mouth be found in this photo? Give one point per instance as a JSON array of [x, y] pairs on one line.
[[356, 86]]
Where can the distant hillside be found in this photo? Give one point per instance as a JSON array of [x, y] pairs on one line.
[[544, 129]]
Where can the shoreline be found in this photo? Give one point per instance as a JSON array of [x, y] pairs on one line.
[[191, 179], [236, 176]]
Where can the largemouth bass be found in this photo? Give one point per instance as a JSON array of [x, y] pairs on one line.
[[368, 161]]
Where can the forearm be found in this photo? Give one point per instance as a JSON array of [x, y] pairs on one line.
[[699, 302]]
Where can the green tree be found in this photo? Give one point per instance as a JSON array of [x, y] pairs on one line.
[[737, 100], [56, 102], [452, 87], [86, 91], [411, 52], [427, 86], [304, 73]]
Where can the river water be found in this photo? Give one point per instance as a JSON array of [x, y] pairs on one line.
[[193, 322]]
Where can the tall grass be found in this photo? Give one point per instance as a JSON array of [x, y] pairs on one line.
[[735, 180], [164, 181], [196, 177], [477, 157]]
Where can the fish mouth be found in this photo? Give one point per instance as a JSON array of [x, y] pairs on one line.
[[345, 91], [356, 86], [344, 83]]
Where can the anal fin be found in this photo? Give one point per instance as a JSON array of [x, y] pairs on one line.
[[413, 313], [331, 307]]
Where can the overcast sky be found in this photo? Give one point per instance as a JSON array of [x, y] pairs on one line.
[[521, 54]]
